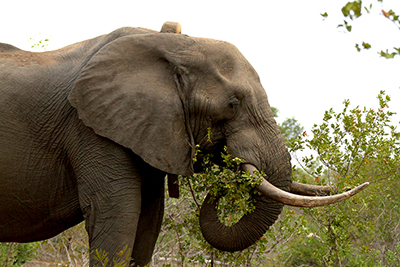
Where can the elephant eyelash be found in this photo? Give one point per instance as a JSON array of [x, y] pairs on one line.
[[233, 105]]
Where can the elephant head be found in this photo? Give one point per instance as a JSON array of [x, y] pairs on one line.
[[159, 94]]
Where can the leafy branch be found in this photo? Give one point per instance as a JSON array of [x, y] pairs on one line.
[[350, 147], [353, 10]]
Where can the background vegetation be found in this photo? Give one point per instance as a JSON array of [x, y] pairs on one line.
[[346, 148]]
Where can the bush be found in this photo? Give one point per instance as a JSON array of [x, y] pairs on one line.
[[16, 254]]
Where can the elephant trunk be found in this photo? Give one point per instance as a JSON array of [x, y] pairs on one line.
[[244, 233], [252, 226]]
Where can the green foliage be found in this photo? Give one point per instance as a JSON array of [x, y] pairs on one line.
[[366, 46], [181, 240], [392, 16], [101, 256], [351, 147], [392, 257], [228, 181], [351, 10], [346, 25], [70, 248], [389, 55], [368, 9], [16, 254], [275, 111], [181, 231], [290, 129], [354, 10], [353, 141], [40, 44], [122, 259]]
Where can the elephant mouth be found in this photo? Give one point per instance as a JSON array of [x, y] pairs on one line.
[[301, 195]]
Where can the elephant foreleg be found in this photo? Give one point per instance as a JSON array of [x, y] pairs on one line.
[[111, 222], [109, 188], [151, 217]]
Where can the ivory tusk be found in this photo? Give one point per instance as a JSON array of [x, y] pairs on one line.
[[269, 190], [311, 190]]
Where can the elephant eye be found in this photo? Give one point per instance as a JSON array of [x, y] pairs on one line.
[[234, 104], [233, 108]]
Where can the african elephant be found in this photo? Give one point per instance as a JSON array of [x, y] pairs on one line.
[[89, 132]]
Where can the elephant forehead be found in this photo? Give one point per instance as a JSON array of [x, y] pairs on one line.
[[223, 54], [202, 52], [210, 63]]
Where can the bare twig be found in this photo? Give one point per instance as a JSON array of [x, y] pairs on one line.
[[192, 192], [10, 247]]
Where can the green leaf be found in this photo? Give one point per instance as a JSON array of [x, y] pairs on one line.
[[290, 129], [325, 15], [346, 25], [275, 111], [368, 9], [366, 45], [352, 9], [387, 55]]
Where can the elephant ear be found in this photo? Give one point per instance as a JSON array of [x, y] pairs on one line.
[[128, 92]]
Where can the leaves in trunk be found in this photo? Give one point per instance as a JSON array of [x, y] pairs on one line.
[[233, 186]]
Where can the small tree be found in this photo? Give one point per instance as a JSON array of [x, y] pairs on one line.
[[351, 147]]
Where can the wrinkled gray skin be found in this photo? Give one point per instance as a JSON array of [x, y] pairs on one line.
[[88, 132]]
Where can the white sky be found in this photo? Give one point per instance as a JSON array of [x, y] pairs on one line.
[[306, 64]]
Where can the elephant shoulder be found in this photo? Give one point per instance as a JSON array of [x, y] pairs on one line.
[[131, 31], [87, 48], [118, 33], [7, 48], [13, 57]]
